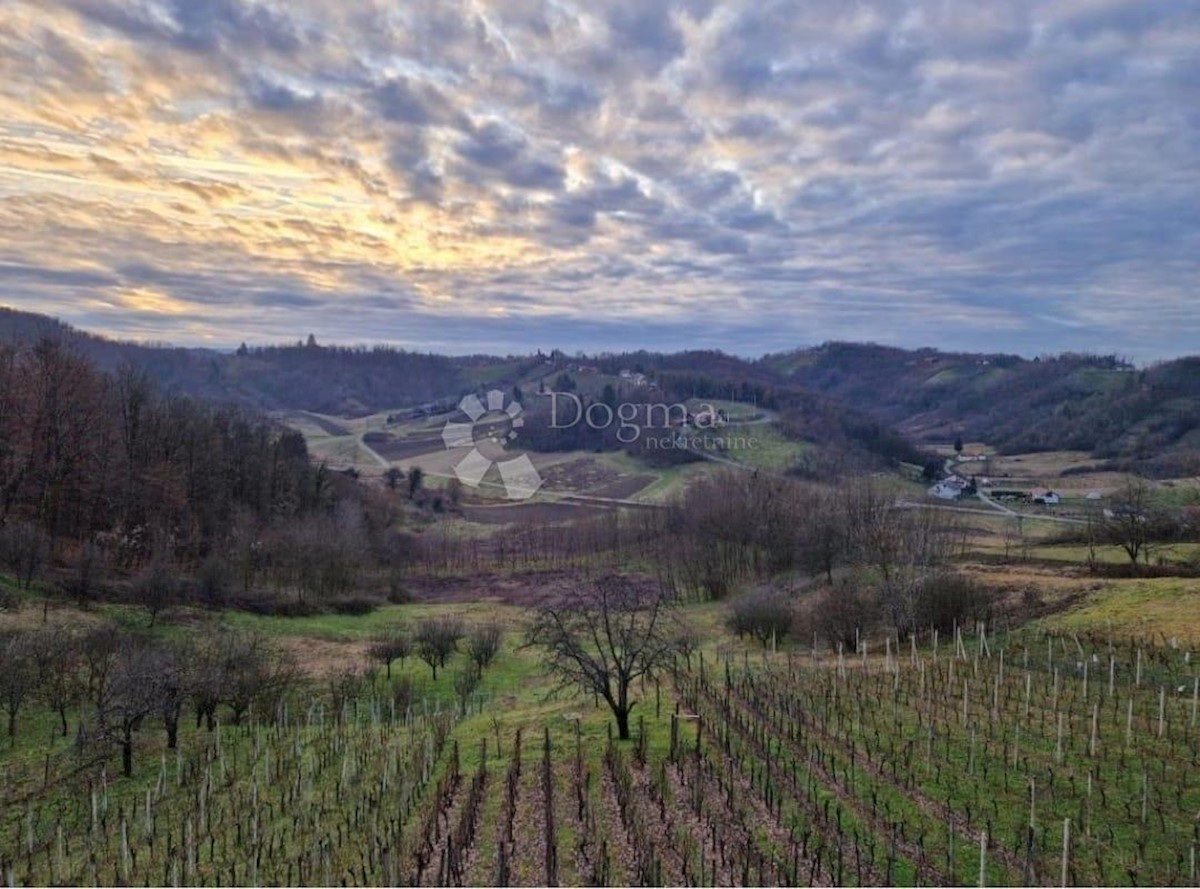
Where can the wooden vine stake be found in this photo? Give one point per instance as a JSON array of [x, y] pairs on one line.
[[1066, 849]]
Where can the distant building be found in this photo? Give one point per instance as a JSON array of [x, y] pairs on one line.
[[945, 491], [951, 488], [1045, 496]]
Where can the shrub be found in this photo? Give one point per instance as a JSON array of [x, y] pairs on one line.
[[838, 615], [946, 599], [353, 605], [762, 615]]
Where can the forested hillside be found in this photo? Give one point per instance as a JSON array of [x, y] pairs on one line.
[[1148, 419], [300, 376]]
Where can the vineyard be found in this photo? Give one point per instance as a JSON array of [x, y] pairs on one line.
[[968, 761]]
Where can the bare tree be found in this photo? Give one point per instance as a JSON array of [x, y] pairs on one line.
[[605, 637], [100, 650], [135, 693], [18, 678], [156, 588], [394, 645], [900, 547], [483, 644], [1133, 522], [466, 681], [174, 685], [252, 670], [56, 657], [87, 572], [25, 548], [437, 639], [344, 686], [686, 642]]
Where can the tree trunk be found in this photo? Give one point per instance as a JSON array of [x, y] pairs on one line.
[[127, 752], [172, 724], [622, 714], [62, 716]]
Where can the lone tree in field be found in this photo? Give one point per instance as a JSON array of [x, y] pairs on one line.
[[604, 638], [1134, 522]]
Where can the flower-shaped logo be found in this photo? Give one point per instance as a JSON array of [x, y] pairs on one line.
[[518, 477]]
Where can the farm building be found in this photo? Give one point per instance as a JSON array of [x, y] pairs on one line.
[[950, 488], [1046, 496]]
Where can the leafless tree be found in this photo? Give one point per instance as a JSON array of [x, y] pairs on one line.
[[604, 638], [86, 573], [900, 547], [483, 644], [252, 670], [214, 578], [25, 548], [174, 665], [394, 645], [235, 669], [437, 639], [18, 677], [686, 642], [156, 588], [1133, 522], [135, 693], [344, 686], [99, 650], [466, 681], [56, 656]]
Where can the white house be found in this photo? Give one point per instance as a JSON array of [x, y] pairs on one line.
[[1046, 496], [944, 491]]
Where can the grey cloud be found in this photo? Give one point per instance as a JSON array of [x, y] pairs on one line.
[[201, 26], [507, 152], [824, 168], [410, 101]]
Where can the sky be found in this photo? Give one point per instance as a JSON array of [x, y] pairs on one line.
[[504, 175]]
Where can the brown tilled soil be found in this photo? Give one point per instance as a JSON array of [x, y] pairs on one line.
[[527, 513], [394, 449], [578, 475], [624, 487]]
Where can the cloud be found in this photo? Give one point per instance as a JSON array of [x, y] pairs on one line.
[[750, 174]]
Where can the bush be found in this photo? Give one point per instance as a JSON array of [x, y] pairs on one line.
[[945, 600], [839, 615], [763, 615], [276, 606], [353, 605]]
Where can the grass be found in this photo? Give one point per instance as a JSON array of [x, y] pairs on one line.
[[1154, 609]]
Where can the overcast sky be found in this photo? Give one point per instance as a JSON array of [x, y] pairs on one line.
[[502, 175]]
